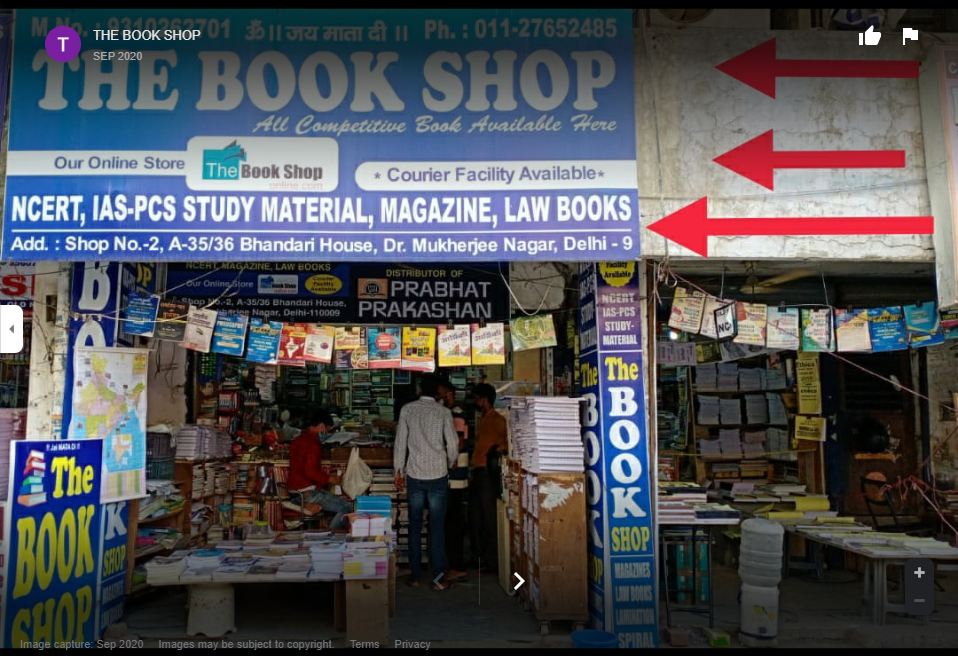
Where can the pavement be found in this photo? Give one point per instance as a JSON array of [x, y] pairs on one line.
[[478, 613]]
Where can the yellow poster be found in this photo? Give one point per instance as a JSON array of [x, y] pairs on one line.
[[455, 346], [810, 428], [809, 384], [488, 344], [418, 349]]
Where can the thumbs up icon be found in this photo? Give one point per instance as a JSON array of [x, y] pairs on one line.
[[869, 37]]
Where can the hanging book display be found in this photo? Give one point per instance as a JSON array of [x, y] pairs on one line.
[[419, 349], [726, 321], [851, 330], [199, 329], [319, 343], [711, 306], [783, 330], [818, 332], [171, 317], [752, 321], [229, 334], [455, 346], [532, 332], [292, 343], [264, 339], [488, 344], [139, 315], [886, 329], [385, 348], [923, 324], [687, 310]]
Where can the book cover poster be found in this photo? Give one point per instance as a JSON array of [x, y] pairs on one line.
[[198, 335], [385, 348], [851, 330], [139, 315], [687, 309], [532, 332], [348, 339], [171, 317], [949, 323], [783, 330], [355, 358], [319, 343], [708, 327], [886, 326], [419, 349], [264, 339], [923, 324], [229, 334], [488, 344], [818, 331], [752, 323], [455, 346], [292, 344]]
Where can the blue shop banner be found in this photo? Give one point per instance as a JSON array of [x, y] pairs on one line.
[[326, 134], [622, 594], [114, 527], [314, 292], [53, 529]]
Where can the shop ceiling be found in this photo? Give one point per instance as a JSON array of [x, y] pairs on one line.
[[794, 282]]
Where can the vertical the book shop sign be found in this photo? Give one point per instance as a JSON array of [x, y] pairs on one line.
[[53, 533], [622, 571]]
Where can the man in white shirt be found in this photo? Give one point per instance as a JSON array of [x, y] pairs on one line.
[[426, 449]]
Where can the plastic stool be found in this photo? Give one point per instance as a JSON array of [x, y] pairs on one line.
[[211, 610]]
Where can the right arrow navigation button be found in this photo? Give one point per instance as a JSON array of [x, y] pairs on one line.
[[521, 581]]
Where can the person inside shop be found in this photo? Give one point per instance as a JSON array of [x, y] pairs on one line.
[[458, 487], [306, 473], [425, 451], [492, 444]]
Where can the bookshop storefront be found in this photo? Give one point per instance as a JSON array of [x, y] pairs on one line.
[[352, 170]]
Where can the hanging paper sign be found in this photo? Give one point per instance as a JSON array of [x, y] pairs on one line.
[[385, 348], [923, 324], [419, 349], [171, 320], [752, 319], [199, 329], [726, 321], [292, 343], [886, 329], [455, 347], [488, 344], [348, 339], [809, 384], [851, 330], [319, 343], [532, 332], [810, 428], [229, 335], [818, 331], [687, 310], [782, 328], [140, 314], [355, 358], [264, 338]]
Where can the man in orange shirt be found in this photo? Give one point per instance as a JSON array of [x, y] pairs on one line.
[[492, 442], [305, 468]]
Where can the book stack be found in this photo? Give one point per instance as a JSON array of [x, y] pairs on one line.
[[263, 570], [293, 571], [234, 567], [547, 433], [327, 559], [195, 442], [716, 512], [369, 525], [675, 501], [365, 560], [205, 558], [31, 491], [166, 570]]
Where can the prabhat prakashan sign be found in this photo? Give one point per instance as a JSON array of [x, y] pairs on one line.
[[328, 134]]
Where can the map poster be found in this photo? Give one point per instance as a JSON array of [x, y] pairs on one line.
[[109, 403]]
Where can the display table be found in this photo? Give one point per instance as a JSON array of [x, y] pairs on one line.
[[875, 599], [695, 527]]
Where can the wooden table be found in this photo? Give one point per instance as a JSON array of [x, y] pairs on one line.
[[875, 587], [694, 526]]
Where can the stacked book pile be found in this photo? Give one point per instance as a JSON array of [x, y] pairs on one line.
[[367, 559], [547, 433], [327, 559], [166, 570], [195, 442], [706, 513], [234, 567], [13, 425], [200, 565], [676, 499], [295, 566], [263, 570]]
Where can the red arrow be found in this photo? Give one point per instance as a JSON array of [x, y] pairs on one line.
[[691, 227], [757, 159], [759, 68]]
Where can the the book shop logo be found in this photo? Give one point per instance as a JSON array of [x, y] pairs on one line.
[[373, 289], [223, 164], [31, 491], [274, 284]]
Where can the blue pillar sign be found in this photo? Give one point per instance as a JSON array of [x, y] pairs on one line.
[[622, 570]]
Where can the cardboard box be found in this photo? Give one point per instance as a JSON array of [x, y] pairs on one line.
[[367, 611]]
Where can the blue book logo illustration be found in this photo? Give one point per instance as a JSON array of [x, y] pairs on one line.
[[223, 164]]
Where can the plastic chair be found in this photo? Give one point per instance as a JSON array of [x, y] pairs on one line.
[[306, 520]]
